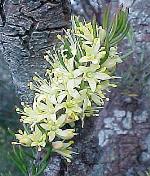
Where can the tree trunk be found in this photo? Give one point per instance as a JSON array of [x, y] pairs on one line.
[[27, 29]]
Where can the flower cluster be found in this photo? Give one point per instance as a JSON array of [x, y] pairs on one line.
[[76, 81]]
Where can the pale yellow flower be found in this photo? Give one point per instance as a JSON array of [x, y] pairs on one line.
[[63, 149], [67, 81], [72, 106], [113, 59], [38, 139], [53, 128], [23, 138], [86, 99], [92, 75], [71, 117], [66, 134], [85, 31], [32, 116], [94, 53]]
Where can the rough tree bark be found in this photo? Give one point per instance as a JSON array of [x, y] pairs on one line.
[[27, 30]]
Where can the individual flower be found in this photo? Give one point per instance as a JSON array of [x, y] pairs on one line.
[[92, 75], [40, 85], [66, 134], [101, 34], [44, 90], [53, 128], [86, 99], [67, 80], [63, 149], [72, 46], [85, 31], [72, 117], [38, 138], [113, 58], [31, 115], [23, 138], [72, 106], [94, 53], [48, 108], [42, 109]]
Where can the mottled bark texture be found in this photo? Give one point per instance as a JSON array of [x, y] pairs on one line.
[[27, 29], [124, 135], [7, 95]]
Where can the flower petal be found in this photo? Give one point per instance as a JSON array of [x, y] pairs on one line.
[[57, 145], [77, 73], [61, 97], [61, 120], [96, 99], [102, 76], [66, 134], [92, 84], [51, 136]]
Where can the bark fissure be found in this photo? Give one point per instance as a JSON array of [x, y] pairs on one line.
[[57, 28], [28, 34], [25, 38], [42, 3], [2, 12]]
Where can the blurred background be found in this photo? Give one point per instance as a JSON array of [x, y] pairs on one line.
[[125, 119]]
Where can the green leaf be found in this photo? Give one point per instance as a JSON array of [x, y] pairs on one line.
[[113, 28], [18, 164], [116, 31], [120, 27], [41, 169], [122, 20], [44, 162], [120, 37], [105, 20], [34, 169], [19, 158], [94, 25]]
